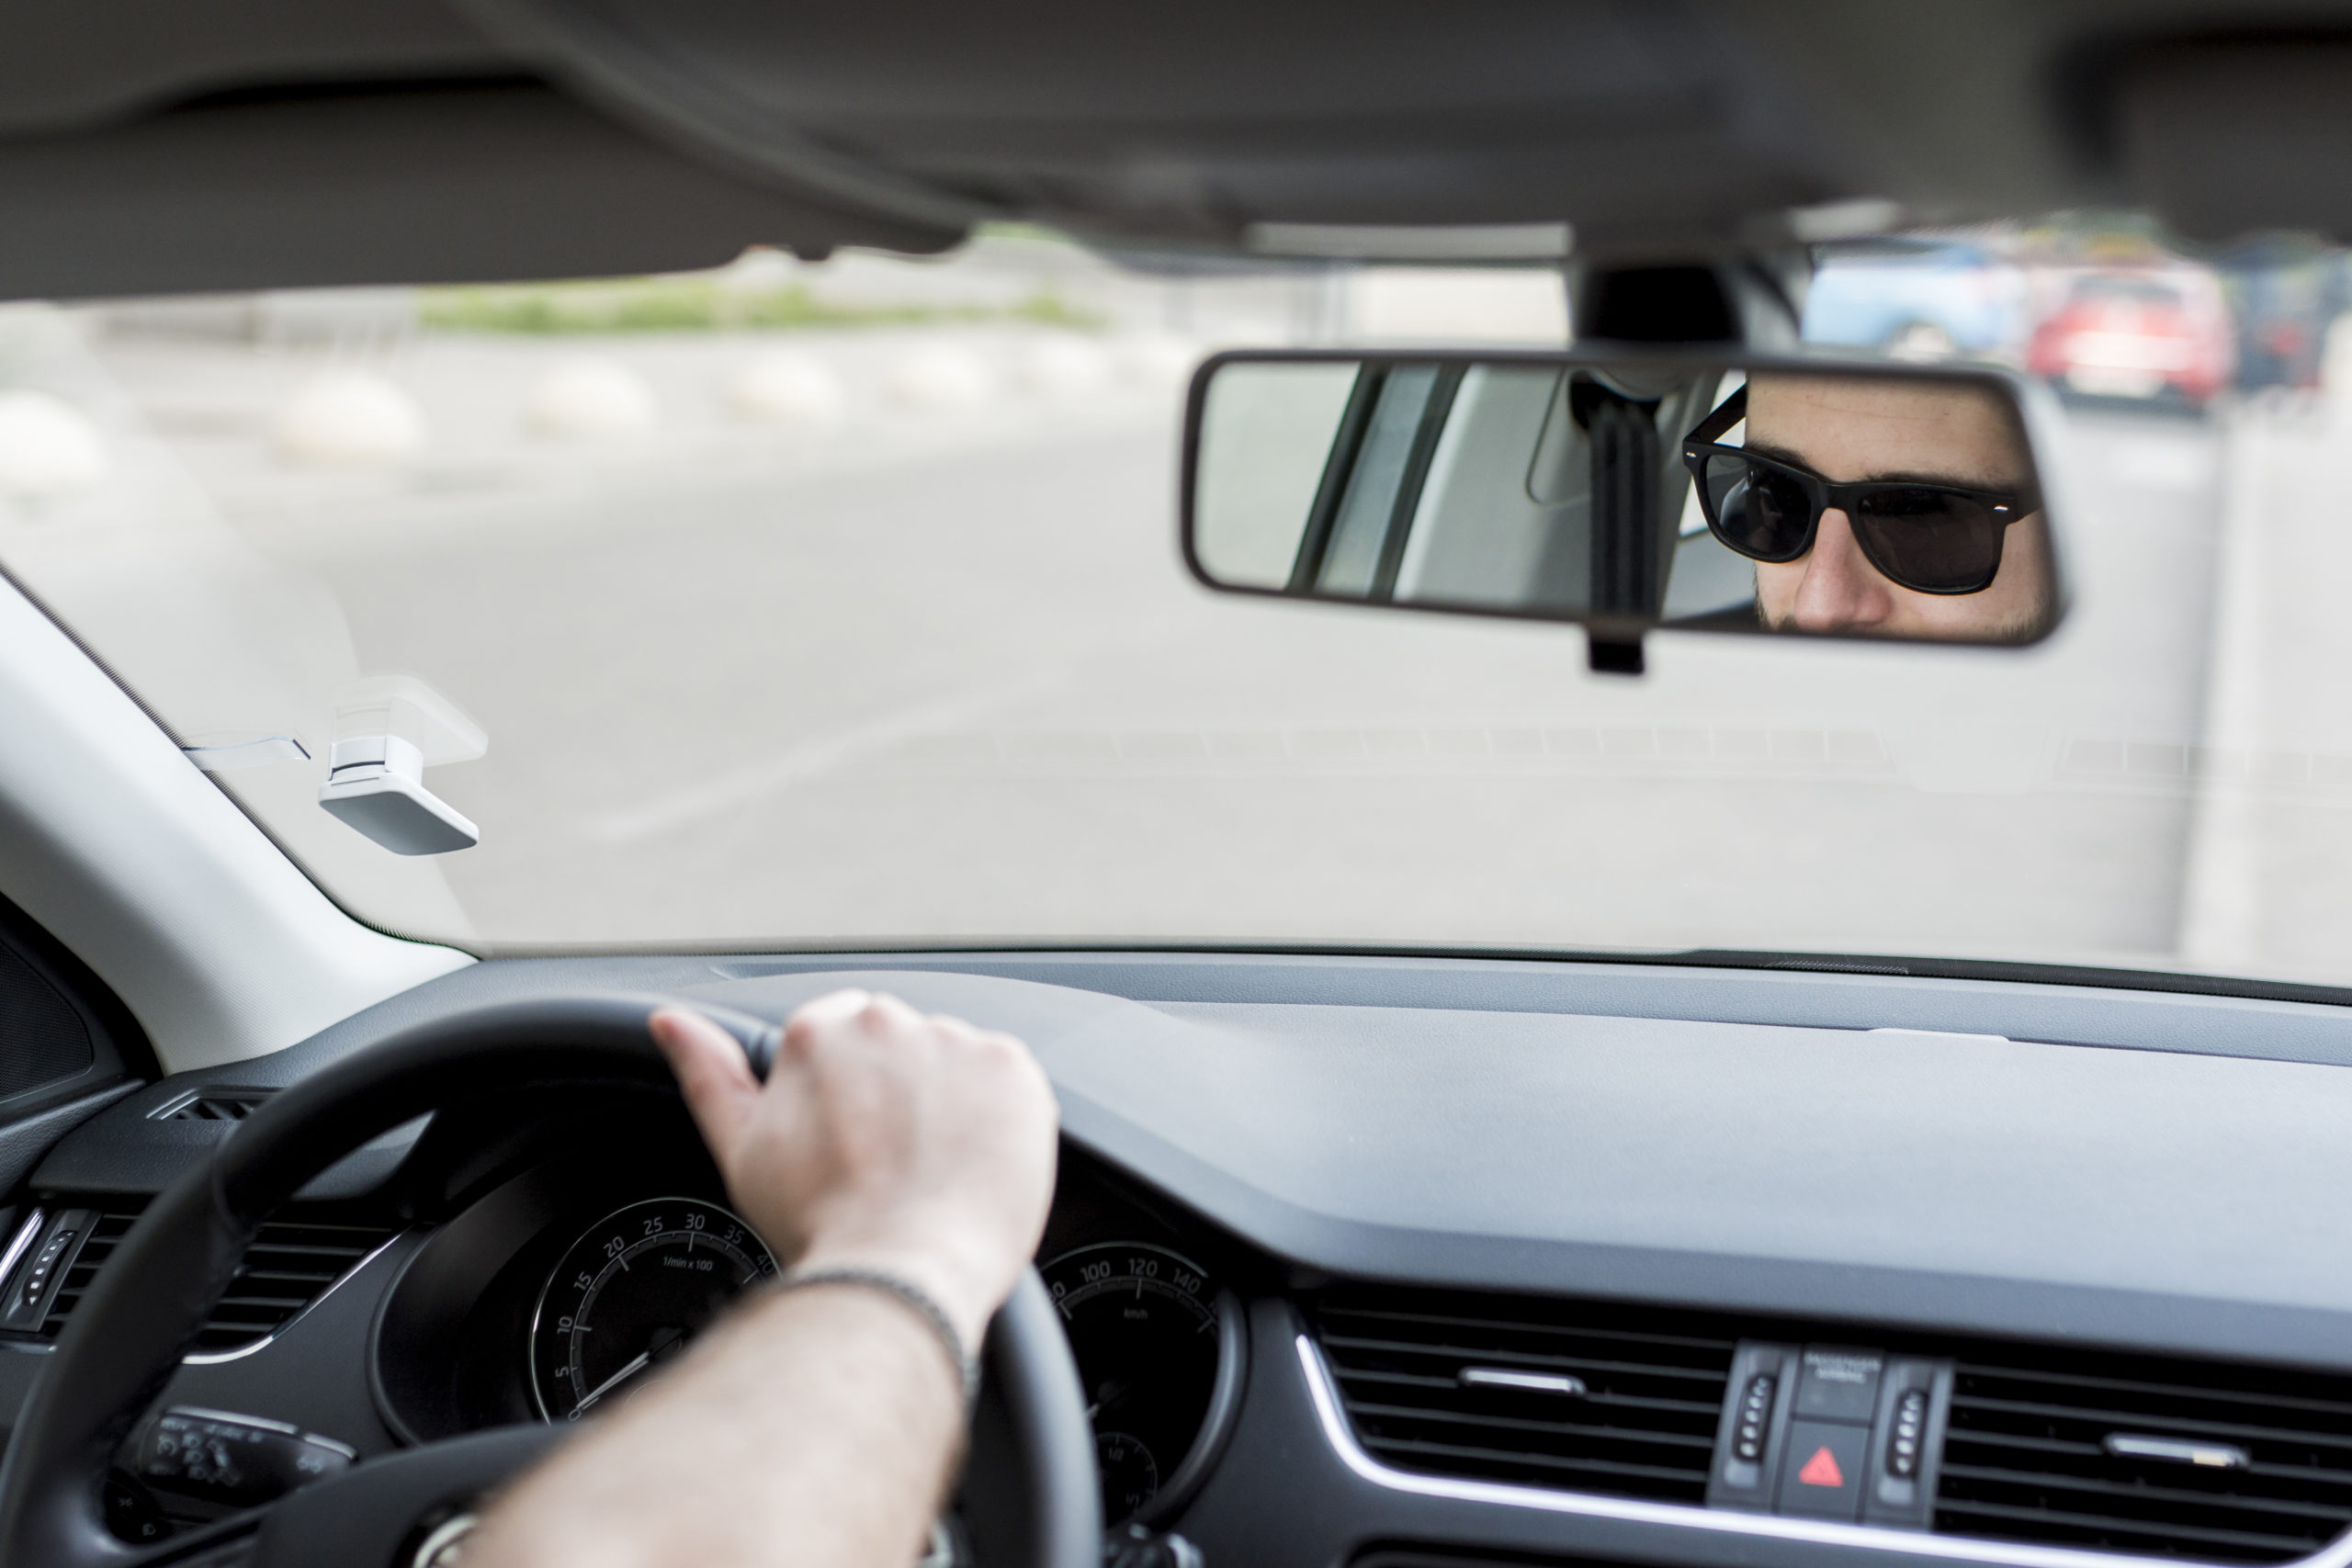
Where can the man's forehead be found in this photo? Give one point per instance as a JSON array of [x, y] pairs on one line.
[[1889, 401], [1867, 426]]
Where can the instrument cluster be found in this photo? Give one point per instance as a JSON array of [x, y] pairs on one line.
[[564, 1290]]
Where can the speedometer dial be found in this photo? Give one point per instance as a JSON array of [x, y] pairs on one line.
[[1143, 1326], [632, 1292]]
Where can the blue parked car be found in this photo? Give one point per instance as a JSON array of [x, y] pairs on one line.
[[1921, 301]]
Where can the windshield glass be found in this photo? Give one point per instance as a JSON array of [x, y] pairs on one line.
[[834, 604]]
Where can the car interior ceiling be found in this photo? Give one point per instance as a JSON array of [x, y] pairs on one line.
[[1397, 1259]]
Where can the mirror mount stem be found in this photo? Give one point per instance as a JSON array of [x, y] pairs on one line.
[[1607, 653], [1752, 303]]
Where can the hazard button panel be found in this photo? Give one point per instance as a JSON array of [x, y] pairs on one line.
[[1831, 1432]]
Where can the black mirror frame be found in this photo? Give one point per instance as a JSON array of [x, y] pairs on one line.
[[1616, 641]]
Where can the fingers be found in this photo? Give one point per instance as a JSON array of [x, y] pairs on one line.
[[882, 1134], [812, 1021], [712, 1073], [851, 1019], [837, 1028], [834, 1007], [950, 1027]]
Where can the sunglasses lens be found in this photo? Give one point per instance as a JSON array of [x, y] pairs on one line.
[[1761, 513], [1930, 540]]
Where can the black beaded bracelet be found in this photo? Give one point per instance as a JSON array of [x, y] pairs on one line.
[[968, 1367]]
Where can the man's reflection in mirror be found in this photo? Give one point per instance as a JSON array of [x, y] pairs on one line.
[[1879, 506]]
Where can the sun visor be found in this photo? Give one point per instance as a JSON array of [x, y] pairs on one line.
[[2221, 139], [457, 183], [1386, 129]]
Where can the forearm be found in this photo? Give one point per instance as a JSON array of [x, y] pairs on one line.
[[815, 1427]]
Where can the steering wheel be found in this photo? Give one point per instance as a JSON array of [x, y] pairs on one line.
[[127, 1337]]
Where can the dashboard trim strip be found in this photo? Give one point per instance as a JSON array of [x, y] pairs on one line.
[[23, 1239], [1342, 1439]]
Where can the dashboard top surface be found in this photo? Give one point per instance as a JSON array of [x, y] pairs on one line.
[[2164, 1179]]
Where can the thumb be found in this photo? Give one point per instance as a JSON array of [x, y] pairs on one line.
[[716, 1081]]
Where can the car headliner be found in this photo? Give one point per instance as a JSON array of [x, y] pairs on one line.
[[206, 144]]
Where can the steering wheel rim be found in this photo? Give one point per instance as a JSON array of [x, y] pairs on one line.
[[128, 1335]]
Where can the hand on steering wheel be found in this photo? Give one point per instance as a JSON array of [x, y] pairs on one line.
[[126, 1340], [903, 1165], [884, 1139]]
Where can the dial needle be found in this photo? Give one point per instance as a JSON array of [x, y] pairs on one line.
[[606, 1387]]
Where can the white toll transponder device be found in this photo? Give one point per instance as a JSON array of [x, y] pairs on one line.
[[387, 730]]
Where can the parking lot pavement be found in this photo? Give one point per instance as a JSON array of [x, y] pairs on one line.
[[968, 694], [941, 677], [2270, 883]]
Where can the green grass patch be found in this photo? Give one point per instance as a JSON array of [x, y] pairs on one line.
[[687, 305]]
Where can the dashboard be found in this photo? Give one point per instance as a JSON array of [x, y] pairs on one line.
[[1408, 1262]]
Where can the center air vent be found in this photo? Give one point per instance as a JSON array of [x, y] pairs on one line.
[[1565, 1395], [2056, 1446], [290, 1264], [2180, 1458]]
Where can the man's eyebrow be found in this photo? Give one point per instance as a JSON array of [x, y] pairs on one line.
[[1956, 481]]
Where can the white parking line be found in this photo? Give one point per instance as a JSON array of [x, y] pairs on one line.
[[740, 786]]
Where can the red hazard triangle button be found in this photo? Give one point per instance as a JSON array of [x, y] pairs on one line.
[[1822, 1469], [1827, 1469]]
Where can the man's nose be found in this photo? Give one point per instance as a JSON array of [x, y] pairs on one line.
[[1840, 591]]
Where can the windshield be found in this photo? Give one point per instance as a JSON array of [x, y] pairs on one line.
[[834, 605]]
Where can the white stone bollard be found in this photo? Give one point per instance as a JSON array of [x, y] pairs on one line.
[[349, 419], [589, 398], [790, 390], [49, 448], [941, 380]]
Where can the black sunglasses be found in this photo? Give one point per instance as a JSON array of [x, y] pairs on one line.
[[1931, 538]]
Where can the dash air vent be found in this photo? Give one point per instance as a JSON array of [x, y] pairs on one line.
[[1565, 1395], [290, 1264], [2177, 1458], [215, 1105]]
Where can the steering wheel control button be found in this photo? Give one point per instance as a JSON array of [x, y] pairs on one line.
[[1755, 1414], [237, 1460], [133, 1514], [1839, 1384], [1823, 1465]]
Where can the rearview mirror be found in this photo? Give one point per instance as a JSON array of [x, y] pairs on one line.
[[1627, 493]]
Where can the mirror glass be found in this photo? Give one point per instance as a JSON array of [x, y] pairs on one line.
[[1788, 496]]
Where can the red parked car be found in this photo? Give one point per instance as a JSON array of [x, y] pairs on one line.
[[2137, 335]]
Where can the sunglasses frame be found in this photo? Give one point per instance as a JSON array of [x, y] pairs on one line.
[[1823, 495]]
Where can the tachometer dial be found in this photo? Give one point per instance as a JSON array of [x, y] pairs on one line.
[[630, 1292], [1143, 1326]]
